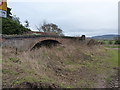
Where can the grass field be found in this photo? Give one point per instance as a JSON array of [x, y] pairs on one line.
[[107, 42], [71, 66], [113, 46], [115, 56]]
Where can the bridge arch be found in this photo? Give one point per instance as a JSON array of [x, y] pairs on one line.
[[46, 43]]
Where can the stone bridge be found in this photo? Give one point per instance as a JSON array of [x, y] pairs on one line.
[[28, 42]]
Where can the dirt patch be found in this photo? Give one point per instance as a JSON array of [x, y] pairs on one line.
[[115, 79], [36, 85]]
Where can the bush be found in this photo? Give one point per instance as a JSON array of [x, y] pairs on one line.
[[117, 40], [10, 26], [110, 42]]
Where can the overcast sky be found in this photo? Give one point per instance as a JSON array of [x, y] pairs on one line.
[[74, 17]]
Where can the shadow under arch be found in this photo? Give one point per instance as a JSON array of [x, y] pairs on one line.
[[49, 43]]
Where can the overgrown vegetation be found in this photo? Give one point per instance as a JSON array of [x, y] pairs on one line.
[[117, 40], [10, 26], [71, 66]]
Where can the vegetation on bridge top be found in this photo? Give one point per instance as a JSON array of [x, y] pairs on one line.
[[12, 25], [38, 36], [33, 36]]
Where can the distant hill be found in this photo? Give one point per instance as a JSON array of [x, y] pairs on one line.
[[106, 37]]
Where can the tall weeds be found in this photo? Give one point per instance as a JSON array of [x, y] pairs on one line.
[[70, 65]]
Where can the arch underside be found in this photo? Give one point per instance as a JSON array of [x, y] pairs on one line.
[[46, 43]]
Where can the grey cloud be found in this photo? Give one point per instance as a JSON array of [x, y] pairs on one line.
[[73, 18]]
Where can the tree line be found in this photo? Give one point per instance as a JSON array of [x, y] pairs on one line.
[[116, 41]]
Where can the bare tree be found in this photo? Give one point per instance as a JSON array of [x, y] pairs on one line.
[[50, 28], [39, 27]]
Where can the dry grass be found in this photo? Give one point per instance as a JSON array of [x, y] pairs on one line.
[[73, 65]]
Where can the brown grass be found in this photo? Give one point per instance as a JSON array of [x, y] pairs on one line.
[[73, 65]]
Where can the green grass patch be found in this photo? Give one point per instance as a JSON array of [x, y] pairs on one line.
[[86, 83], [113, 46], [107, 42], [32, 79], [0, 61], [7, 71], [46, 79], [15, 60], [69, 62], [25, 79], [114, 57], [66, 86]]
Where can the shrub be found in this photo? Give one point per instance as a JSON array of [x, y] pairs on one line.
[[117, 40], [110, 42], [10, 26]]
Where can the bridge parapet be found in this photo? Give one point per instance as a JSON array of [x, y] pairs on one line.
[[26, 42], [33, 36]]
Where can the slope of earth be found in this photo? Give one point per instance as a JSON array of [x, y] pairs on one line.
[[71, 66]]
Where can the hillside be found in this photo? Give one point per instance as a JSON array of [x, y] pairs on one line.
[[106, 37]]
